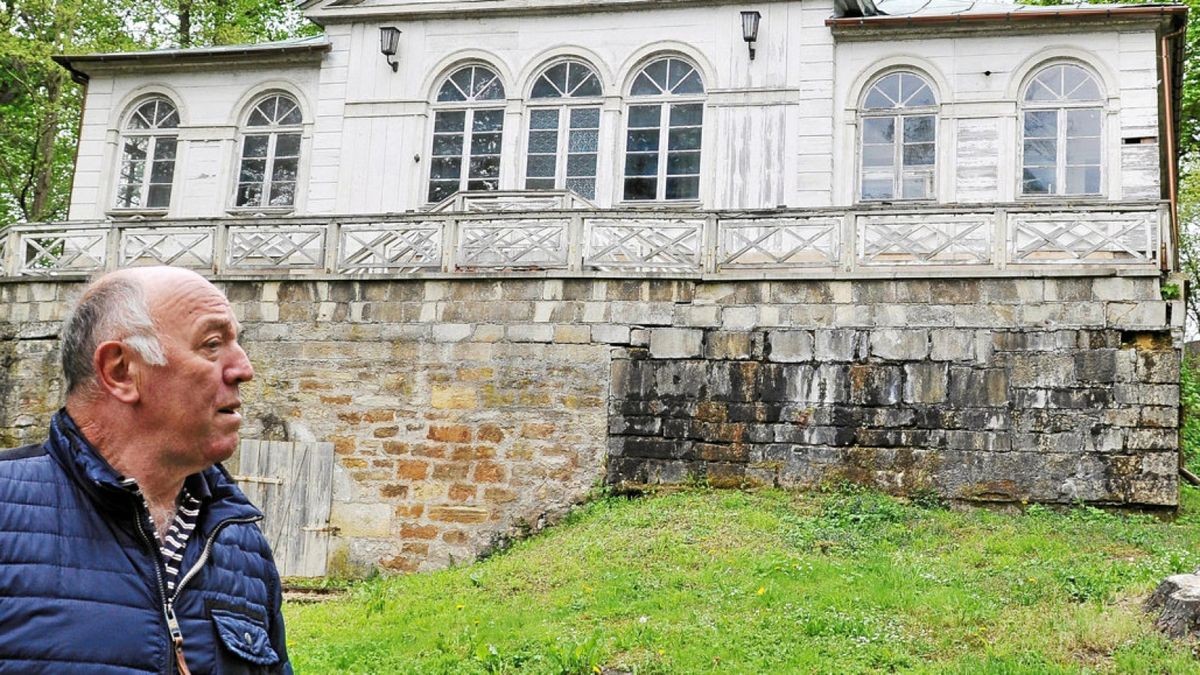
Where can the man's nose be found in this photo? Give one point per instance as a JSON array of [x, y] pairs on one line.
[[239, 370]]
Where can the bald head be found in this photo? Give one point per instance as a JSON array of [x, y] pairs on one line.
[[119, 306]]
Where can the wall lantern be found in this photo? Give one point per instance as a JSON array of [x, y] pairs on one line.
[[750, 21], [389, 40]]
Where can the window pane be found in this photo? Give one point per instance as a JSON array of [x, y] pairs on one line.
[[450, 120], [253, 171], [641, 164], [491, 184], [879, 155], [1083, 151], [284, 170], [484, 167], [543, 142], [1083, 180], [162, 172], [1041, 153], [445, 168], [539, 183], [644, 116], [879, 130], [543, 119], [1041, 124], [541, 166], [918, 129], [919, 154], [657, 72], [683, 188], [884, 94], [915, 91], [644, 86], [583, 141], [249, 194], [642, 140], [641, 188], [128, 196], [282, 194], [1083, 122], [585, 118], [877, 188], [255, 146], [585, 187], [917, 186], [446, 144], [581, 165], [589, 85], [684, 139], [488, 89], [440, 189], [691, 114], [287, 145], [1037, 180], [136, 147], [164, 148], [683, 163], [485, 144], [488, 120]]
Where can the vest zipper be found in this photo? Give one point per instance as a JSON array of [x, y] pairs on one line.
[[168, 604]]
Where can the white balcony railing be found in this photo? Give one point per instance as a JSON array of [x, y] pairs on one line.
[[580, 241]]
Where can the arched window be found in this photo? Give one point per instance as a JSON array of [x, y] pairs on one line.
[[664, 121], [898, 143], [1061, 125], [148, 143], [468, 126], [270, 153], [564, 129]]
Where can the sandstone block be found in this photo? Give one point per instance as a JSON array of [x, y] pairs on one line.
[[452, 332], [840, 345], [361, 520], [948, 344], [1136, 314], [790, 346], [739, 318], [676, 343], [925, 382], [610, 334], [698, 316], [572, 334], [900, 345], [536, 332]]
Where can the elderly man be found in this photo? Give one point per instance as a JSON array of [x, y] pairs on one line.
[[123, 547]]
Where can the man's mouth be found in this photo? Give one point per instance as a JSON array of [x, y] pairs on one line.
[[230, 409]]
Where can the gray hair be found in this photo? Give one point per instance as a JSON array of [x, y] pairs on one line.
[[111, 309]]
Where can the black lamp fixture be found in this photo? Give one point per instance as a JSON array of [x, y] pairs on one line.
[[389, 41], [750, 21]]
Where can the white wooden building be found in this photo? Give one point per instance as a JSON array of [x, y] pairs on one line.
[[633, 103]]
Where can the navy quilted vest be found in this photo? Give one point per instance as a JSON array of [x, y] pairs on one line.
[[80, 590]]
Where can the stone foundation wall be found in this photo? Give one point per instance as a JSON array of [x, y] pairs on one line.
[[466, 411]]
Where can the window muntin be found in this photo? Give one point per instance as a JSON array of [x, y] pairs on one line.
[[663, 133], [148, 146], [1061, 131], [898, 141], [564, 130], [270, 161], [468, 130]]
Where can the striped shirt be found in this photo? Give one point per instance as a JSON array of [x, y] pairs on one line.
[[174, 542]]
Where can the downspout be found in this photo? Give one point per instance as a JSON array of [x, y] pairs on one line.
[[1167, 79]]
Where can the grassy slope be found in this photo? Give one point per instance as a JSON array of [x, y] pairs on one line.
[[840, 582]]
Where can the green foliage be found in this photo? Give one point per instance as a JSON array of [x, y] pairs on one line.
[[1189, 400], [845, 580]]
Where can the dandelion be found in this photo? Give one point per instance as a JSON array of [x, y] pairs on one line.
[[459, 606], [643, 619], [762, 589]]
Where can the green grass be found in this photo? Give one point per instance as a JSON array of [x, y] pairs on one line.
[[838, 582]]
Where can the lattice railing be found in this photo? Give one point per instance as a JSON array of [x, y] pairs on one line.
[[1084, 237], [778, 242], [191, 247], [649, 242], [643, 244], [926, 239], [527, 243], [385, 248]]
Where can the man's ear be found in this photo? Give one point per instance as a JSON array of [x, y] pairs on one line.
[[116, 371]]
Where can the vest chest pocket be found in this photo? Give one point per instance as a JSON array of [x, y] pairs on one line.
[[244, 636]]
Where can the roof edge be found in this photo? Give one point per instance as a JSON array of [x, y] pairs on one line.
[[1115, 12], [72, 62]]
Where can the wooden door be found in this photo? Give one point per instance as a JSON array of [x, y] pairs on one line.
[[293, 485]]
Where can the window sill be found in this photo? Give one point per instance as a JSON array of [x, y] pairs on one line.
[[659, 204], [260, 211], [136, 214]]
